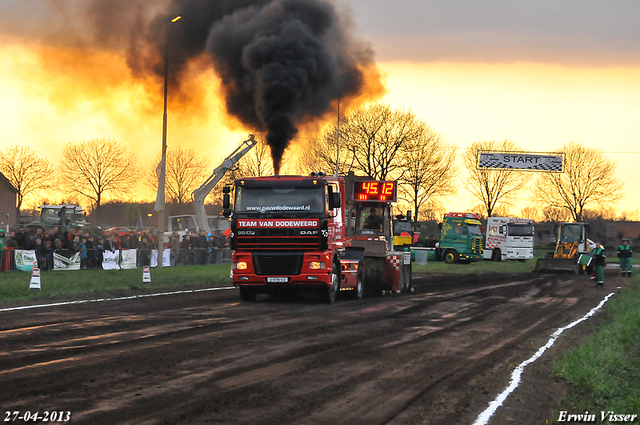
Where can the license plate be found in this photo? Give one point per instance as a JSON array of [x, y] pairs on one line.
[[277, 279]]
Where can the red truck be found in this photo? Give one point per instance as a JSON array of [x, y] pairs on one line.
[[322, 233]]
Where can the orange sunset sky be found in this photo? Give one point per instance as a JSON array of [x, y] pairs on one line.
[[541, 73]]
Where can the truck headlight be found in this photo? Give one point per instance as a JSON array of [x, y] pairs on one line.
[[240, 265], [316, 265]]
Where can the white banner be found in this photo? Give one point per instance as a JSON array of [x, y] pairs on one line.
[[124, 259], [520, 161], [128, 259], [110, 260], [166, 258], [60, 262], [25, 260]]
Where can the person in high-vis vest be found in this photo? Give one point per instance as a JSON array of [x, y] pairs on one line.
[[599, 263], [624, 254]]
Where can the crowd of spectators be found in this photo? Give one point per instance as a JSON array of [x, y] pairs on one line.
[[193, 249]]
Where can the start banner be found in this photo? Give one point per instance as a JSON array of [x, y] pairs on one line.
[[521, 161]]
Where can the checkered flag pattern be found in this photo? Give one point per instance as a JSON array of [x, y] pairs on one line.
[[395, 261], [553, 166]]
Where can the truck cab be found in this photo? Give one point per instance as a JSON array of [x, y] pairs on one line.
[[313, 233], [460, 238], [509, 238], [285, 233], [65, 216]]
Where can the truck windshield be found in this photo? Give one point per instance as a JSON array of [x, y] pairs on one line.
[[280, 199], [475, 230], [402, 226], [571, 233], [182, 223], [50, 215], [72, 214], [520, 230]]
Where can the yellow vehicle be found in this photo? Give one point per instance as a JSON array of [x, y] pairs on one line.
[[571, 242], [403, 233]]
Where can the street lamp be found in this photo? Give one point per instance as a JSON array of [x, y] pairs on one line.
[[163, 162], [338, 143]]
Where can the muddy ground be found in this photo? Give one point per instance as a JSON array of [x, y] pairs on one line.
[[439, 355]]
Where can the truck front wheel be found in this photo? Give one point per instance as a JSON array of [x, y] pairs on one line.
[[328, 295], [496, 255], [451, 256]]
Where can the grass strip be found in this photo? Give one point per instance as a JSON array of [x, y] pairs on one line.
[[604, 372], [65, 284]]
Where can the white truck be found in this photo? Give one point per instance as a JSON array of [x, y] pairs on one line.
[[509, 238]]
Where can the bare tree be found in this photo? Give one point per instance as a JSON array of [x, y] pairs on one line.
[[553, 214], [96, 168], [373, 140], [185, 172], [257, 162], [428, 171], [588, 180], [632, 215], [320, 154], [492, 187], [26, 171], [530, 212]]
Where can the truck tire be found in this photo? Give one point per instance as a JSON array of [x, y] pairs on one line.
[[359, 291], [328, 294], [496, 255], [402, 283], [406, 279], [451, 256], [408, 286], [374, 277], [578, 269], [247, 294]]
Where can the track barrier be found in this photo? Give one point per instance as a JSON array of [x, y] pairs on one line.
[[66, 259]]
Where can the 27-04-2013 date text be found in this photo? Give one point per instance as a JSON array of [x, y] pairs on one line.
[[46, 416]]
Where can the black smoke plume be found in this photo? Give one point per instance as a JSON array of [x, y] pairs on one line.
[[282, 62]]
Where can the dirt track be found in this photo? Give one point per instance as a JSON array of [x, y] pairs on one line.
[[436, 356]]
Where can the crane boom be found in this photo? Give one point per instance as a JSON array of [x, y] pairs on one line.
[[200, 193]]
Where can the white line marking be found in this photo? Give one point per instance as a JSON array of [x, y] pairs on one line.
[[484, 417], [99, 300]]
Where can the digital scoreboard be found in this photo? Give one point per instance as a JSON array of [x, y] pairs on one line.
[[376, 191]]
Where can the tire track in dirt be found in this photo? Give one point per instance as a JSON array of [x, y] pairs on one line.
[[193, 359]]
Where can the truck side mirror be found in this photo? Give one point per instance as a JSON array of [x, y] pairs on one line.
[[226, 203], [334, 200], [409, 215]]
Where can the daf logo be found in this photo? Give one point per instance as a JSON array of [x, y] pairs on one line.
[[308, 232]]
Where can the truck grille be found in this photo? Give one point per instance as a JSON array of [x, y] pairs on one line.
[[277, 263], [278, 240], [476, 246]]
